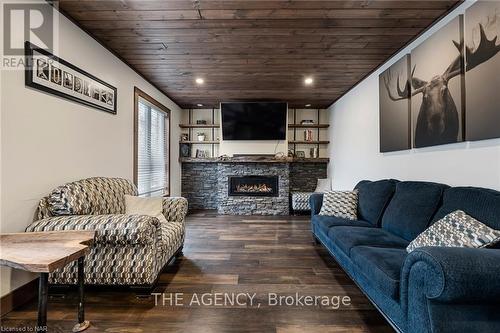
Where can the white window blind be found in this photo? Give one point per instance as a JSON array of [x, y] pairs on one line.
[[152, 154]]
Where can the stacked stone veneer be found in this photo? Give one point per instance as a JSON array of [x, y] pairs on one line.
[[304, 176], [248, 205], [205, 185], [199, 185]]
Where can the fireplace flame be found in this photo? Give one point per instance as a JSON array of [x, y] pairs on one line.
[[257, 188]]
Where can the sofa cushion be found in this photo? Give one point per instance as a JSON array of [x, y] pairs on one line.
[[456, 229], [373, 198], [340, 203], [480, 203], [326, 222], [91, 196], [382, 266], [151, 206], [348, 237], [412, 208]]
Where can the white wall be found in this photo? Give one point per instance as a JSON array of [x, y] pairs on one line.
[[355, 142], [47, 141]]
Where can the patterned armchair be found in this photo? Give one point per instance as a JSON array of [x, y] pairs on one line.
[[128, 249]]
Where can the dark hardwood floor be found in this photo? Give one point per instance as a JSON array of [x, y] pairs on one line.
[[228, 254]]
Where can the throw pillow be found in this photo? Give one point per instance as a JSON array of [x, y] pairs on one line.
[[342, 204], [145, 206], [324, 185], [456, 229]]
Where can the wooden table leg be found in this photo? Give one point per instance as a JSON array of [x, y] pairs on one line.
[[82, 323], [43, 293]]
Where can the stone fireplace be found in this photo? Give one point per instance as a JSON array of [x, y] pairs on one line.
[[213, 184], [258, 186], [254, 175]]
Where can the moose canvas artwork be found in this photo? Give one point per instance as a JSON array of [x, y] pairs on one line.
[[482, 77], [437, 87], [395, 130]]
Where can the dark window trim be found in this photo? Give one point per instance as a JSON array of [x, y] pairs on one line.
[[138, 93]]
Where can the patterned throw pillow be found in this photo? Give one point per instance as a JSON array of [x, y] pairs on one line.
[[456, 229], [342, 204]]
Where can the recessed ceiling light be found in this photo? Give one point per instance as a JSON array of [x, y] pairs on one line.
[[308, 80], [199, 104], [199, 80], [308, 105]]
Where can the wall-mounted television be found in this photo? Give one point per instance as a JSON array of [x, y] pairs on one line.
[[254, 120]]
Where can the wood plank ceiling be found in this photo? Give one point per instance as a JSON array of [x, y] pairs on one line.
[[254, 49]]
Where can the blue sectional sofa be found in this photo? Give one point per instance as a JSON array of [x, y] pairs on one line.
[[432, 289]]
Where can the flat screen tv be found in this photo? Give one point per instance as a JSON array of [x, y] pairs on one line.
[[254, 121]]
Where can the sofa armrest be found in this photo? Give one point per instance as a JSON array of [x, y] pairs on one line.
[[315, 201], [175, 209], [110, 229], [452, 274]]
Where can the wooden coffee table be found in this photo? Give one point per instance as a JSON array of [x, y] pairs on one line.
[[44, 252]]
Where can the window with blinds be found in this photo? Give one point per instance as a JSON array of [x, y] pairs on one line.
[[152, 164]]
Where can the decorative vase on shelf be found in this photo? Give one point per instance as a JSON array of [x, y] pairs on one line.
[[201, 136]]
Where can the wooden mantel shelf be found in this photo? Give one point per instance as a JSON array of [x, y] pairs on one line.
[[308, 125], [253, 160], [205, 142], [199, 125], [308, 142]]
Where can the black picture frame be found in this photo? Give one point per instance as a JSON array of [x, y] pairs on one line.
[[105, 102]]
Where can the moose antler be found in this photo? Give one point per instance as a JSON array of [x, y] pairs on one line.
[[416, 83], [402, 93], [456, 67], [485, 50]]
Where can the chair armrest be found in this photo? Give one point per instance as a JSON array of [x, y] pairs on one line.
[[115, 229], [175, 209], [316, 201], [452, 274]]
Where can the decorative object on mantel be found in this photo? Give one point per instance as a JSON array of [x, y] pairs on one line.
[[48, 73], [184, 137], [223, 157], [280, 156], [313, 152], [300, 154], [201, 122], [291, 153], [307, 122], [185, 149], [201, 136], [201, 153]]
